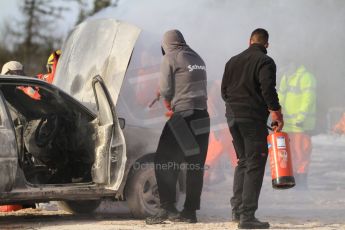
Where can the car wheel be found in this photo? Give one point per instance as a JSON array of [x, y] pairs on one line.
[[79, 207], [142, 192]]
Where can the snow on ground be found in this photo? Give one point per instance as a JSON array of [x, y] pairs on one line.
[[320, 207]]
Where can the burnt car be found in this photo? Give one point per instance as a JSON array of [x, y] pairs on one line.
[[87, 138]]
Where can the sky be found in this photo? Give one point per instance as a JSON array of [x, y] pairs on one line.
[[7, 8]]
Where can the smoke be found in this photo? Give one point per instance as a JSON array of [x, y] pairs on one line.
[[305, 32], [308, 32]]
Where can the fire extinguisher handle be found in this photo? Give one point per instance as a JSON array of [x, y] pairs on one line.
[[269, 127], [274, 124]]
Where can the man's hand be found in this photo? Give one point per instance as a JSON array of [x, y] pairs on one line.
[[169, 113], [167, 104], [277, 120]]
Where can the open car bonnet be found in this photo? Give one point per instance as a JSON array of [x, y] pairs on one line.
[[95, 47]]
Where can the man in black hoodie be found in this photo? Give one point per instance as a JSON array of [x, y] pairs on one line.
[[248, 89], [183, 87]]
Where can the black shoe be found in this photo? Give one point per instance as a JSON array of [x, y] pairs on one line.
[[235, 217], [163, 215], [187, 216], [253, 224]]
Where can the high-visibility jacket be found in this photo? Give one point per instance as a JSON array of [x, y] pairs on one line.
[[340, 126], [31, 92], [297, 96], [49, 77]]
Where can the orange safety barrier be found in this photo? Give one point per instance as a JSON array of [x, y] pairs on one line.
[[10, 208]]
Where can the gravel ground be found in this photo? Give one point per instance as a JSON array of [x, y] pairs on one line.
[[322, 206]]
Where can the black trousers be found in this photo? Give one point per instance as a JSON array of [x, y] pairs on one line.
[[171, 154], [250, 142]]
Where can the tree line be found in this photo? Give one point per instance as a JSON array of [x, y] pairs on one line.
[[32, 38]]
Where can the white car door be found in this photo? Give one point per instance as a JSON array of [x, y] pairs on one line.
[[8, 149], [109, 165]]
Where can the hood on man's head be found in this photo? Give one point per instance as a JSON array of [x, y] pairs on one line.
[[11, 66], [172, 39]]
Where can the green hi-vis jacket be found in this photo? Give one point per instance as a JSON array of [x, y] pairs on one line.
[[297, 96]]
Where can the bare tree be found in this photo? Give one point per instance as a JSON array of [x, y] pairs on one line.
[[33, 38], [37, 35]]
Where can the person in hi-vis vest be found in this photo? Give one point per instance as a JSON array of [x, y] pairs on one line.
[[297, 96]]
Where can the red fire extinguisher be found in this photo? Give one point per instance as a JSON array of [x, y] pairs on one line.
[[280, 160]]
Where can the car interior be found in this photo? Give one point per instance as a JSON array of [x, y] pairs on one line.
[[56, 139]]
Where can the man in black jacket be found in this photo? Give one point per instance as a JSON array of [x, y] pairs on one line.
[[248, 89]]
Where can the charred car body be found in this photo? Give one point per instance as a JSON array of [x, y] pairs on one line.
[[81, 143]]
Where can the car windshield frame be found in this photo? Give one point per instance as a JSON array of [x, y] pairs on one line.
[[57, 92]]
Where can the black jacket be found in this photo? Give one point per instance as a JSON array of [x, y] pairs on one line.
[[248, 85]]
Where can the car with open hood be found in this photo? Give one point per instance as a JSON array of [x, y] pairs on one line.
[[88, 137]]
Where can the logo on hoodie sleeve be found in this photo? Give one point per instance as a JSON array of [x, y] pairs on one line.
[[191, 68]]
